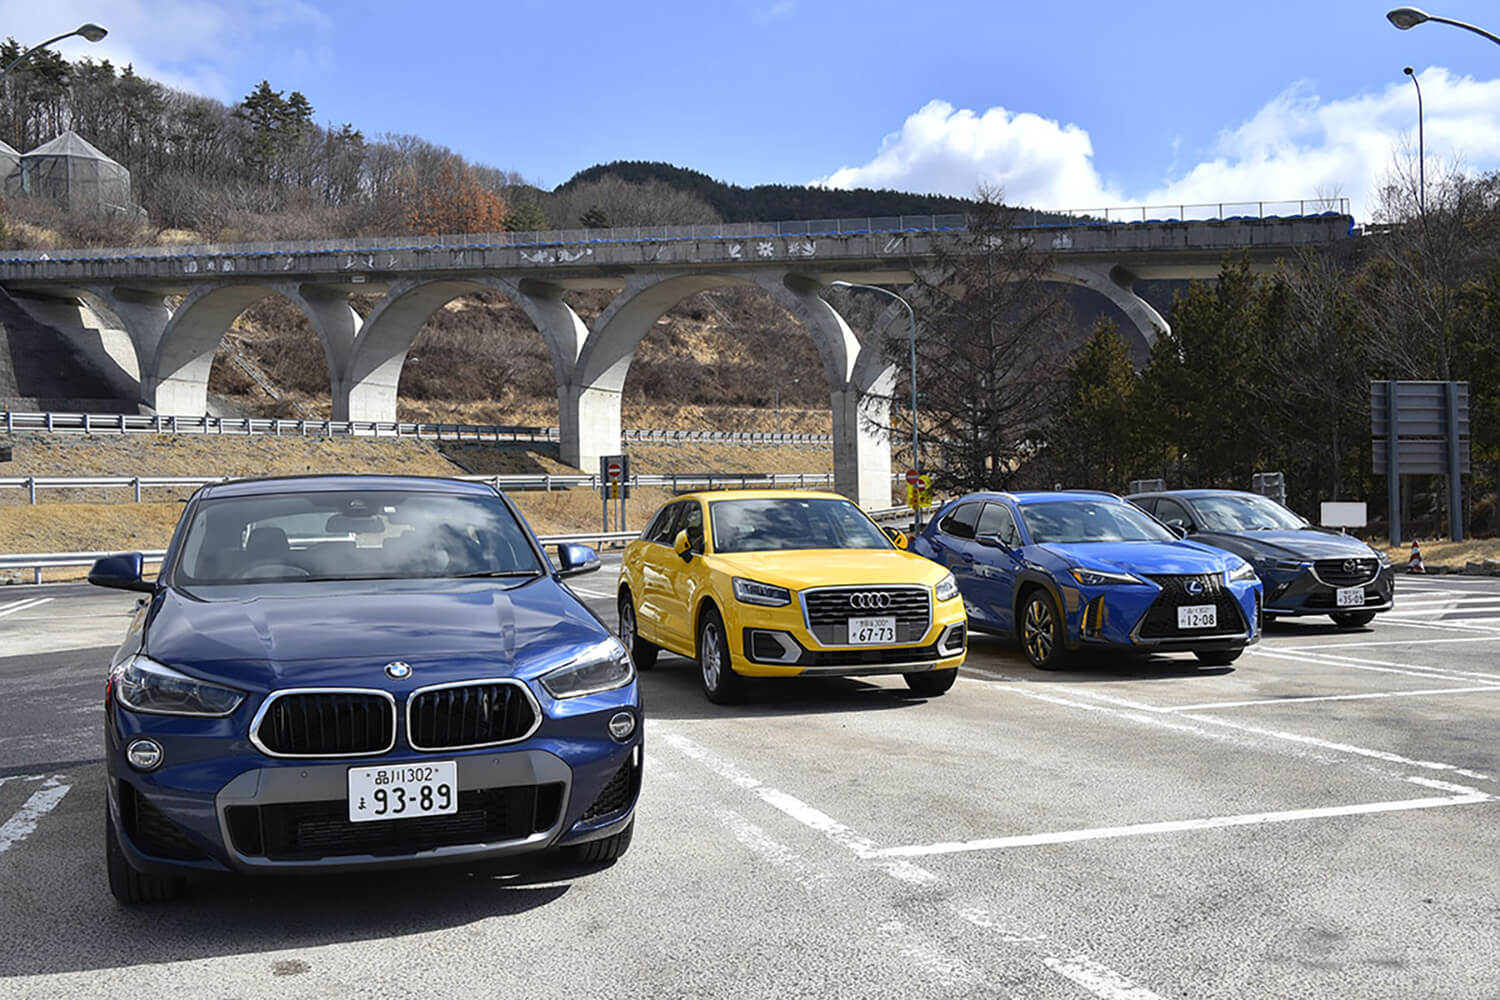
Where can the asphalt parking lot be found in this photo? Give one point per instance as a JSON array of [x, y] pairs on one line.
[[1319, 820]]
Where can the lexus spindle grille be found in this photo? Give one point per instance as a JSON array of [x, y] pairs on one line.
[[326, 724], [1346, 572], [469, 715], [1160, 621], [829, 610]]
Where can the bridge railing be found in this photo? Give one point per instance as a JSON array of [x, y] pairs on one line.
[[870, 225]]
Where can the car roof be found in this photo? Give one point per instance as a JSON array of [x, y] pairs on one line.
[[1042, 496], [765, 494], [1191, 494], [281, 485]]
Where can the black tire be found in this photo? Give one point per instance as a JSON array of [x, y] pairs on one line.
[[129, 886], [1352, 619], [598, 852], [931, 683], [1041, 631], [643, 653], [1217, 657], [721, 684]]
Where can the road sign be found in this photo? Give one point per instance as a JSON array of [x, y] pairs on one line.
[[918, 491], [911, 477], [1421, 429]]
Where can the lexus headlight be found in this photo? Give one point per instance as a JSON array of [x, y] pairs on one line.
[[1244, 571], [754, 592], [1099, 577], [143, 685], [946, 589], [604, 666]]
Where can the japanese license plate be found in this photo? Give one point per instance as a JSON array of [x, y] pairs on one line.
[[872, 631], [1350, 597], [1198, 616], [402, 791]]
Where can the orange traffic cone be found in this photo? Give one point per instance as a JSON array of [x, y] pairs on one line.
[[1414, 564]]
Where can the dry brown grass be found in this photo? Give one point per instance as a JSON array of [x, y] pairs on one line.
[[1444, 553]]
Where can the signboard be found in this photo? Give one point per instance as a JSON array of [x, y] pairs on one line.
[[614, 476], [918, 490], [1147, 485], [1269, 484], [1336, 514], [912, 477], [1421, 429]]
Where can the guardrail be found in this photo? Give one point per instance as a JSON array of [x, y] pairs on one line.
[[35, 485], [38, 561], [134, 423]]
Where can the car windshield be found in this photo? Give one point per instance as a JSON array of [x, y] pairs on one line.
[[352, 535], [1070, 521], [792, 523], [1235, 512]]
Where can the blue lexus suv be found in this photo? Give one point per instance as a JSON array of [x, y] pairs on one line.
[[1067, 570], [334, 673]]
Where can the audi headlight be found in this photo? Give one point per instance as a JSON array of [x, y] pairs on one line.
[[1244, 571], [946, 589], [754, 592], [604, 666], [143, 685], [1099, 577]]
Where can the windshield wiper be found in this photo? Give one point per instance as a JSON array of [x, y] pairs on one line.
[[497, 573]]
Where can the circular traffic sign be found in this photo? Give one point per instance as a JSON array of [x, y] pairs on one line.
[[614, 470], [911, 477]]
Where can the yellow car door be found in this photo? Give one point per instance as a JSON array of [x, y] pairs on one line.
[[649, 575], [688, 576]]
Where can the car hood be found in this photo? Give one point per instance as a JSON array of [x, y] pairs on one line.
[[799, 569], [307, 635], [1297, 544], [1140, 557]]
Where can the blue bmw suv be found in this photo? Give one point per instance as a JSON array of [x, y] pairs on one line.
[[334, 673], [1068, 570]]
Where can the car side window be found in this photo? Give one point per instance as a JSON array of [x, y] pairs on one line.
[[996, 519], [1171, 510], [663, 529], [1147, 504], [960, 523], [692, 522]]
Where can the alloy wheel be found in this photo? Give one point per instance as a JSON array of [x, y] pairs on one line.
[[708, 657], [1038, 630]]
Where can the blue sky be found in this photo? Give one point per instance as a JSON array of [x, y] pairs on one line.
[[1063, 104]]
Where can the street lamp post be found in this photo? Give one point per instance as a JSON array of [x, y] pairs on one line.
[[911, 317], [1421, 148], [89, 32], [1410, 17]]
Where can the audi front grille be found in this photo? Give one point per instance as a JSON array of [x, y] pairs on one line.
[[827, 611]]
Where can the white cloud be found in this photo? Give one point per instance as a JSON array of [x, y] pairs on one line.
[[1297, 146]]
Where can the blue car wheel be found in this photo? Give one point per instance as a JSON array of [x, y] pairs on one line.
[[1041, 631]]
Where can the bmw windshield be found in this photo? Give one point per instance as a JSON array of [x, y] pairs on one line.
[[352, 535], [792, 523], [1073, 521], [1233, 512]]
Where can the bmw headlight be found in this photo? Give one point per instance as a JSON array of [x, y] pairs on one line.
[[946, 589], [604, 666], [143, 685], [1244, 571], [754, 592], [1099, 577]]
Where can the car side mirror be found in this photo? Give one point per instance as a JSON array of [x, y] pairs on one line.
[[121, 572], [573, 560], [993, 540], [1179, 528], [682, 546], [897, 537]]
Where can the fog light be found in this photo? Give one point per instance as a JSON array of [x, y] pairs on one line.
[[621, 725], [144, 755]]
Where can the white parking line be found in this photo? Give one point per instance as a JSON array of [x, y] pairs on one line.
[[1468, 796], [1379, 666], [1378, 642], [586, 592], [1448, 607], [1296, 699], [27, 605], [1098, 979], [42, 801]]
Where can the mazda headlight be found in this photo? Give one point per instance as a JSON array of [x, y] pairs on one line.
[[754, 592], [1283, 565], [604, 666], [1099, 577], [946, 589], [1244, 571], [143, 685], [1385, 560]]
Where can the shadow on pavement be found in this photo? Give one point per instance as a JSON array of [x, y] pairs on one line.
[[673, 690], [1001, 658]]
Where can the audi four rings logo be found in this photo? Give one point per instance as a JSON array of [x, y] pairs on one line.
[[1194, 587], [869, 601]]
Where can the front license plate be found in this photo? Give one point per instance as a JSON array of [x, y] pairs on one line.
[[1198, 616], [1350, 597], [872, 631], [402, 791]]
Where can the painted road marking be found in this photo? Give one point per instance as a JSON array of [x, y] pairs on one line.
[[1468, 796], [27, 605], [1294, 699], [42, 801], [1379, 666], [1447, 607], [1377, 642], [585, 592], [1098, 979]]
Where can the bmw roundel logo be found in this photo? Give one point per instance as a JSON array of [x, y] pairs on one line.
[[1194, 587], [398, 670], [870, 601]]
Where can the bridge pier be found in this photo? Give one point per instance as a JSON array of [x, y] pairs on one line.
[[1117, 284]]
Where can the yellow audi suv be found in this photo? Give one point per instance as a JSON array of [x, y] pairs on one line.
[[783, 583]]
